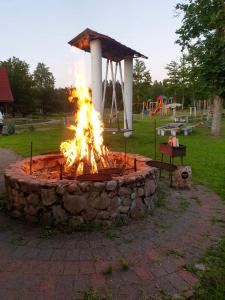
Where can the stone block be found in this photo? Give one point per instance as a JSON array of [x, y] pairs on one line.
[[74, 203], [59, 214], [48, 196], [101, 202], [182, 177]]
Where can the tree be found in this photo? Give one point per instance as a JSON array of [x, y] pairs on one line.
[[44, 82], [173, 76], [21, 85], [142, 80], [202, 34]]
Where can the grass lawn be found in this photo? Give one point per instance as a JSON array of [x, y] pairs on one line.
[[205, 154]]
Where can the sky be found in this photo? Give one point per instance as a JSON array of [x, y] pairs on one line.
[[39, 31]]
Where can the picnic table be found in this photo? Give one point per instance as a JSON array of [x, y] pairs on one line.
[[174, 128]]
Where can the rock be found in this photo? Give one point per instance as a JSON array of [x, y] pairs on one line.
[[76, 221], [74, 187], [133, 196], [182, 177], [35, 187], [150, 187], [25, 187], [32, 219], [16, 214], [99, 186], [85, 186], [74, 203], [126, 201], [33, 199], [61, 189], [137, 208], [114, 203], [111, 185], [101, 202], [90, 214], [47, 218], [48, 196], [140, 192], [200, 267], [59, 214], [124, 191], [123, 209], [31, 210], [103, 215]]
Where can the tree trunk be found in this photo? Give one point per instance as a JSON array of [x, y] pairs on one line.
[[217, 114]]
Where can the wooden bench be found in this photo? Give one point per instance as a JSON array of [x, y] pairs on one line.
[[186, 129]]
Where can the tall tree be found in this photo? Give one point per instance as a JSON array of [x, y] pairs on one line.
[[203, 35], [142, 80], [44, 82], [21, 85], [173, 76]]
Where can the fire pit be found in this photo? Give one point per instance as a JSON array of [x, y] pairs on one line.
[[43, 197], [85, 181]]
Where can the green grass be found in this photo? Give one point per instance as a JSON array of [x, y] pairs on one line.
[[124, 265], [108, 271], [212, 280]]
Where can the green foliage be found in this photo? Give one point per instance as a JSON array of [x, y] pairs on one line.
[[142, 81], [174, 253], [212, 279], [10, 128], [108, 270], [124, 264], [91, 294], [203, 35], [44, 87], [34, 92], [21, 84]]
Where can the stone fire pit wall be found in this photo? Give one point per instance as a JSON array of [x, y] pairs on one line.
[[57, 201]]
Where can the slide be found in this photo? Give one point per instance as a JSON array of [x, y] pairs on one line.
[[153, 112]]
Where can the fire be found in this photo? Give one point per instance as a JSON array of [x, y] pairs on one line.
[[85, 153]]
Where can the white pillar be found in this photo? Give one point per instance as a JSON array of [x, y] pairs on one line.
[[128, 93], [96, 74]]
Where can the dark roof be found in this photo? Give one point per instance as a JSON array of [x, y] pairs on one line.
[[5, 90], [111, 49]]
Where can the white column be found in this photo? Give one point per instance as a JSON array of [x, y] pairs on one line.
[[96, 74], [128, 93]]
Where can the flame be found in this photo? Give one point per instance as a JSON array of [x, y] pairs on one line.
[[86, 149]]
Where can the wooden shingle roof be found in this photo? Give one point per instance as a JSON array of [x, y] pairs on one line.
[[111, 49]]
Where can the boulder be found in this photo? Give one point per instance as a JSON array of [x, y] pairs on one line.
[[111, 185], [48, 196], [150, 187], [33, 199], [59, 214], [76, 221], [101, 202], [74, 203]]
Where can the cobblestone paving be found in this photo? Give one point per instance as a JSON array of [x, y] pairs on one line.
[[153, 250]]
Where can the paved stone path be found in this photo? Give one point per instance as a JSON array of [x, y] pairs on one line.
[[154, 251]]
